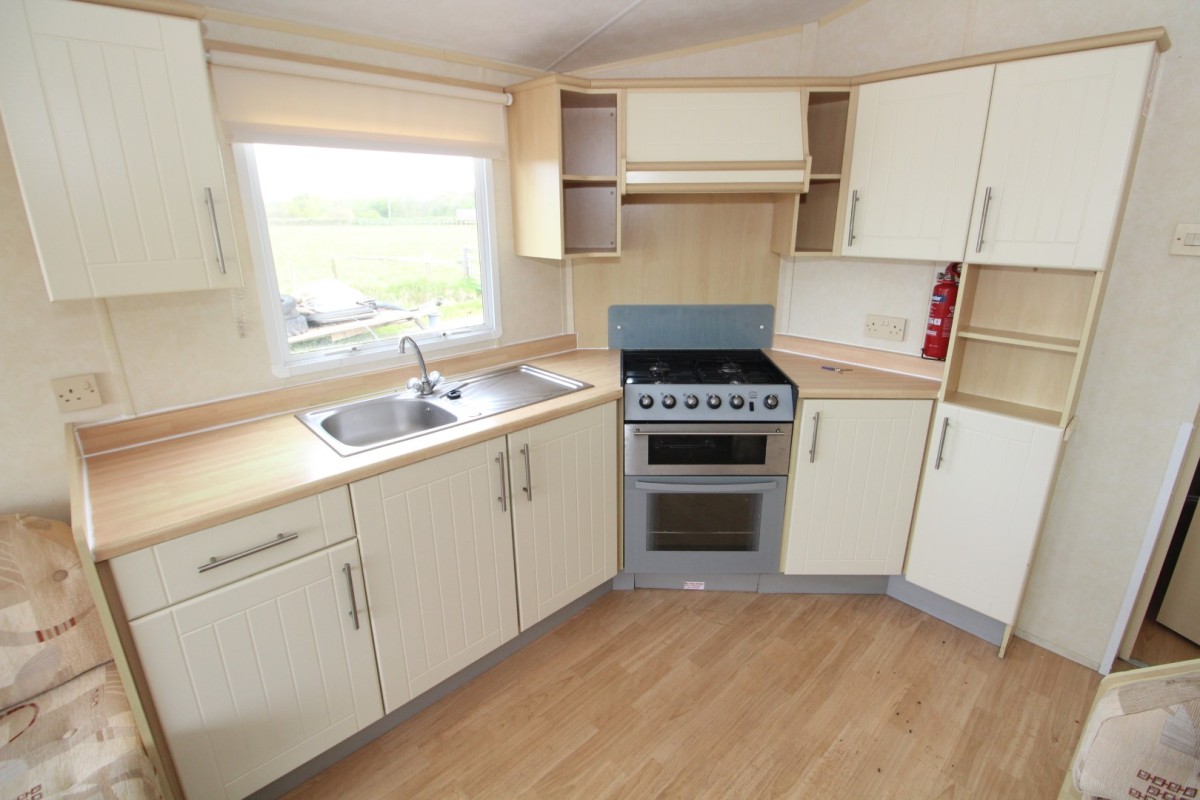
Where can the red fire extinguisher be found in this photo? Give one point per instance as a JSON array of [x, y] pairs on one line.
[[941, 314]]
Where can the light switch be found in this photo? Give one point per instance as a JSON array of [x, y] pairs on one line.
[[1186, 241]]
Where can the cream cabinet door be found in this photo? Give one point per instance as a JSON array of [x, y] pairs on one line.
[[252, 680], [1060, 139], [564, 479], [437, 547], [109, 116], [986, 484], [916, 153], [854, 483]]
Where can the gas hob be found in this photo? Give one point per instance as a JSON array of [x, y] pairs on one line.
[[704, 386]]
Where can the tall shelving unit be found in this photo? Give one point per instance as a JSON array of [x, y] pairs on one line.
[[810, 224], [1020, 340]]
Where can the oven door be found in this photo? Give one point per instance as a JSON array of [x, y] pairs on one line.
[[704, 524], [707, 448]]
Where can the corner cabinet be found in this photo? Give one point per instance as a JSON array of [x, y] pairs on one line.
[[1060, 143], [916, 153], [116, 148], [854, 482], [986, 485], [463, 550], [564, 150]]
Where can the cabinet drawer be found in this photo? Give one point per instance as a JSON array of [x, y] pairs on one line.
[[167, 573]]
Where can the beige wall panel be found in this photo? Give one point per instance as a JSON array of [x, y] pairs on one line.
[[698, 249]]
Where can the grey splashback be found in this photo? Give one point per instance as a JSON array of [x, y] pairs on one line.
[[691, 327]]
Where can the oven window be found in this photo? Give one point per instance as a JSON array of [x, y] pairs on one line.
[[705, 522], [707, 449]]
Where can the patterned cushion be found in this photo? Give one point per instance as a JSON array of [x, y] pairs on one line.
[[1142, 740], [49, 629], [76, 741]]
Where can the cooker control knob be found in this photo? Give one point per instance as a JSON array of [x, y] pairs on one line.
[[668, 401], [714, 401], [771, 401], [691, 401], [737, 401], [645, 401]]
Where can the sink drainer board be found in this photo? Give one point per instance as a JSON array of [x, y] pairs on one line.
[[371, 422]]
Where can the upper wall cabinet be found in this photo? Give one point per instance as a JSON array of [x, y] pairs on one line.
[[564, 148], [109, 116], [1060, 140], [732, 140], [916, 153]]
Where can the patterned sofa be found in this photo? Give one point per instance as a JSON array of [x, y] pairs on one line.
[[1142, 737], [65, 725]]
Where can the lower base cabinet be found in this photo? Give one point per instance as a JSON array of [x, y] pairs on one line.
[[987, 482], [462, 551], [855, 470], [255, 678]]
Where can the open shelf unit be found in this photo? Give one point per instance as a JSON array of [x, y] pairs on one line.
[[1020, 340], [808, 224], [590, 187]]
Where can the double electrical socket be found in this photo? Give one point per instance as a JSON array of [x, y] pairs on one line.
[[890, 328], [77, 392]]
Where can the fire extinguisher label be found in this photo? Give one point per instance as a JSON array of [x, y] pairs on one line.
[[935, 322], [939, 298]]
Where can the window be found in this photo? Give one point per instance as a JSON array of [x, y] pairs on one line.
[[361, 247]]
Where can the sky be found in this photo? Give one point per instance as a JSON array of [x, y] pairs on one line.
[[286, 171]]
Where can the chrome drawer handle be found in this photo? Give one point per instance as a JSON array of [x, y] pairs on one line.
[[776, 432], [941, 443], [528, 488], [812, 451], [215, 562], [706, 488], [350, 586]]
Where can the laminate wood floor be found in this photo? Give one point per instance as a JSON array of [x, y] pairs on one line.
[[731, 695]]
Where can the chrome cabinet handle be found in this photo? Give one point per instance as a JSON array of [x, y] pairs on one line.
[[705, 488], [941, 443], [987, 201], [853, 209], [528, 488], [776, 432], [812, 451], [212, 219], [215, 562], [350, 586], [503, 498]]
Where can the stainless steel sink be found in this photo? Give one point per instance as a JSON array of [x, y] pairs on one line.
[[359, 425]]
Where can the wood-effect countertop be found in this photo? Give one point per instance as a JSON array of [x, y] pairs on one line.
[[146, 494]]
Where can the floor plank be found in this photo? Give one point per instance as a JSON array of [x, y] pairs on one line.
[[730, 695]]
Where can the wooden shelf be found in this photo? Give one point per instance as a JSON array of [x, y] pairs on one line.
[[1019, 339], [587, 180], [1044, 416]]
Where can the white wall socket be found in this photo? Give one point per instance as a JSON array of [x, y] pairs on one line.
[[77, 392], [890, 328]]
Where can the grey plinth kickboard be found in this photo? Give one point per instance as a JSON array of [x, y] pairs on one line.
[[691, 327]]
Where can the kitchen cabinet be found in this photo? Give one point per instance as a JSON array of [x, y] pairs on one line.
[[255, 678], [1060, 141], [856, 465], [116, 148], [564, 479], [564, 148], [442, 571], [714, 140], [807, 224], [436, 538], [915, 157], [987, 482]]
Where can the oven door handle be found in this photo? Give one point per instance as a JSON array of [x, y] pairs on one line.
[[776, 432], [706, 488]]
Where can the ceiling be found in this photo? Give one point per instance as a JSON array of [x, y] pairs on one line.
[[551, 35]]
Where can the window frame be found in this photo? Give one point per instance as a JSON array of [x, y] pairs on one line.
[[284, 363]]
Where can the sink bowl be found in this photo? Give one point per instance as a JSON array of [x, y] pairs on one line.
[[359, 425]]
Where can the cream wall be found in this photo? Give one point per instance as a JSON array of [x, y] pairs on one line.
[[1142, 383], [165, 351]]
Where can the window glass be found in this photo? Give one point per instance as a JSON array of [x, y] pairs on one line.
[[365, 246]]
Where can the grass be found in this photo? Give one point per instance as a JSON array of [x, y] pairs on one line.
[[410, 265]]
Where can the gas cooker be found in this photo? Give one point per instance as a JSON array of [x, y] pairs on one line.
[[704, 386]]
